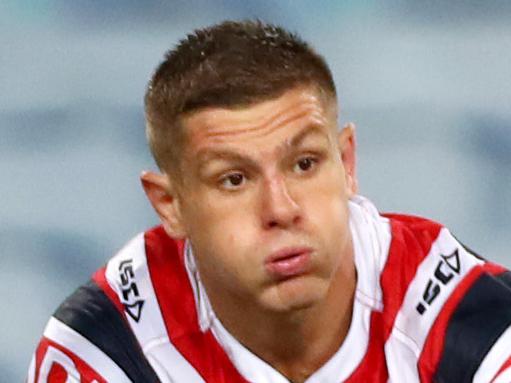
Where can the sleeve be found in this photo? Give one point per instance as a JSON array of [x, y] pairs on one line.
[[496, 364], [504, 374], [464, 312], [477, 340], [88, 340], [64, 356]]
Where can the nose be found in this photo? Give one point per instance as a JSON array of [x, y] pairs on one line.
[[279, 209]]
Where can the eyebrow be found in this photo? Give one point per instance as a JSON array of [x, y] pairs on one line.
[[312, 129], [206, 155], [209, 154]]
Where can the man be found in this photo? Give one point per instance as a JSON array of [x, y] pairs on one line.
[[267, 266]]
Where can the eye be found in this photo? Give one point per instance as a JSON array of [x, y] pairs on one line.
[[232, 181], [304, 164]]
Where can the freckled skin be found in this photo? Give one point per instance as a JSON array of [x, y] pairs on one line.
[[259, 179]]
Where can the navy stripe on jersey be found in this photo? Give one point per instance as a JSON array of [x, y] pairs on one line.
[[476, 324], [469, 250], [89, 311], [505, 278]]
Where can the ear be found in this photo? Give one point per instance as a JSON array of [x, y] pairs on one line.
[[163, 197], [347, 148]]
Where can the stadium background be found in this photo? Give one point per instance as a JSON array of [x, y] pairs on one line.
[[427, 83]]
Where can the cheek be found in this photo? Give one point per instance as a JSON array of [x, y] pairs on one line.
[[226, 216], [327, 206], [329, 215], [224, 249], [328, 193], [220, 227]]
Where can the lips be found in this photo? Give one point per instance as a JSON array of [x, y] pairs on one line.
[[289, 262]]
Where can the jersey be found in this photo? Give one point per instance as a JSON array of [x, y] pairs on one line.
[[426, 309]]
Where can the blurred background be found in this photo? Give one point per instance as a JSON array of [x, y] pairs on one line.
[[428, 84]]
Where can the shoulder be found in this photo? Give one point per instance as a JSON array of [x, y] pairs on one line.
[[89, 336], [452, 307], [410, 231]]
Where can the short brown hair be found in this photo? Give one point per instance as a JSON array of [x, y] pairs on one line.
[[232, 64]]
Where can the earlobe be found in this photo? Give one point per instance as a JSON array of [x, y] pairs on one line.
[[347, 148], [165, 202]]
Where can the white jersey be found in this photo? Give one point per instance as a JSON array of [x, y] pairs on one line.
[[426, 309]]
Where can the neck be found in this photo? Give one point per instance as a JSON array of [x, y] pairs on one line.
[[295, 343]]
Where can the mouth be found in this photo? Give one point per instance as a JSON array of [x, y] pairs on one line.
[[288, 262]]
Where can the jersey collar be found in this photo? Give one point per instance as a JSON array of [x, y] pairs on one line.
[[371, 241]]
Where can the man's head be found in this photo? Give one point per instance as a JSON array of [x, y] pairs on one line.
[[232, 64], [264, 176]]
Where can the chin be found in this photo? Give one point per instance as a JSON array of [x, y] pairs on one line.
[[295, 294]]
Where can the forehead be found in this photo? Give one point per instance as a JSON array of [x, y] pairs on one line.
[[267, 120]]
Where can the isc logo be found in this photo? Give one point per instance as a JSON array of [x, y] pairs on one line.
[[445, 270], [130, 295]]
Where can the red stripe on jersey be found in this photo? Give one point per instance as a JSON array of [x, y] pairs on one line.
[[99, 278], [412, 239], [373, 367], [434, 344], [409, 246], [57, 374], [39, 354], [87, 373], [165, 259], [504, 367]]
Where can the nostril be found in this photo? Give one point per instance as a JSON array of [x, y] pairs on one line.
[[272, 224]]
